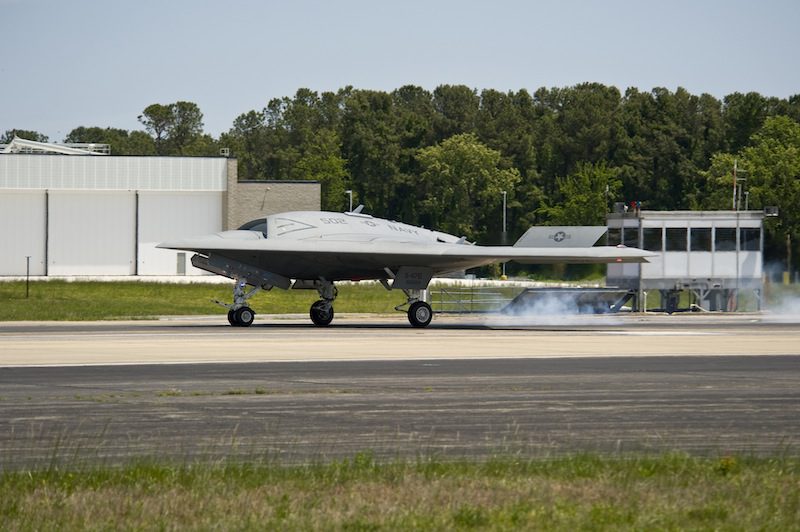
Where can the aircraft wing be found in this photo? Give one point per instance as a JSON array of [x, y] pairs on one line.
[[315, 258]]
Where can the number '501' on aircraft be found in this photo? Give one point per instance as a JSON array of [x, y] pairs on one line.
[[314, 249]]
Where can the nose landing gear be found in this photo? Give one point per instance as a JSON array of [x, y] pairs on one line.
[[242, 317], [239, 314]]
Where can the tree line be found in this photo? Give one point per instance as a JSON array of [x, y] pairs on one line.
[[443, 158]]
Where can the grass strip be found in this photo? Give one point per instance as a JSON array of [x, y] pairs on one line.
[[57, 300], [671, 491], [87, 300]]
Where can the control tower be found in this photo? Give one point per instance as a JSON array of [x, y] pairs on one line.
[[715, 255]]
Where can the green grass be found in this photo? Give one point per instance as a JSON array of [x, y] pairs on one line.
[[588, 492], [86, 300], [61, 300]]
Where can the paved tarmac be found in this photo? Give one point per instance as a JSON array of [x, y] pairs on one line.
[[193, 388]]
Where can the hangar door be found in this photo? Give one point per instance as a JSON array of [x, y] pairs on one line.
[[22, 217], [167, 216], [92, 233]]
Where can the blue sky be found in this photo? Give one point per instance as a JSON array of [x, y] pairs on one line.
[[92, 63]]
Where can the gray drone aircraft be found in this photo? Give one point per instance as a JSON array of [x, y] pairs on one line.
[[314, 249]]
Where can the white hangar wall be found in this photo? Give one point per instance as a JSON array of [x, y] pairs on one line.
[[85, 172], [171, 216], [22, 231], [91, 233], [104, 215]]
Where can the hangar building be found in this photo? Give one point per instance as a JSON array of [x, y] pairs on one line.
[[83, 214]]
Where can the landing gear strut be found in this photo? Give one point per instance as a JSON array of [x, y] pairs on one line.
[[322, 310], [239, 314]]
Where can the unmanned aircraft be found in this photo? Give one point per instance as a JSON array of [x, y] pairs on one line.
[[314, 249]]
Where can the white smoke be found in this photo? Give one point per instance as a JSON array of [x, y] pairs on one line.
[[783, 304], [553, 304], [553, 309]]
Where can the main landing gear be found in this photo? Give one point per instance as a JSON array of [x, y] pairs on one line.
[[322, 310], [420, 313]]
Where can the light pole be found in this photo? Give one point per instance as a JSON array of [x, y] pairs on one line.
[[350, 194], [504, 216], [27, 276], [504, 229]]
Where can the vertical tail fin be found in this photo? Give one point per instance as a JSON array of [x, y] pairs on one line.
[[575, 236]]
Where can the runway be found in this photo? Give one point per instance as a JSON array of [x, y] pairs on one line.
[[359, 337], [196, 389]]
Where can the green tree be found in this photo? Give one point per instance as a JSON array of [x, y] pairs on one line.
[[371, 146], [35, 136], [138, 143], [456, 108], [176, 128], [773, 162], [247, 142], [94, 135], [186, 130], [507, 123], [669, 138], [157, 119], [270, 143], [583, 196], [770, 165], [293, 138], [321, 162], [414, 115], [121, 141], [462, 182], [718, 184], [743, 116]]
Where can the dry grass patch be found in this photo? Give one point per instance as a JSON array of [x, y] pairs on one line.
[[671, 491]]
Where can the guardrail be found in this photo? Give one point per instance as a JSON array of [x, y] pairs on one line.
[[462, 300]]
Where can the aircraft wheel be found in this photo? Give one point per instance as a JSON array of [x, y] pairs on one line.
[[232, 318], [420, 314], [244, 316], [321, 313]]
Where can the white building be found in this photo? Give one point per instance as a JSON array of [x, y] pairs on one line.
[[104, 215], [713, 254]]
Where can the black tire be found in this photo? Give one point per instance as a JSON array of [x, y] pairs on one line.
[[420, 314], [320, 315], [232, 318], [244, 316]]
